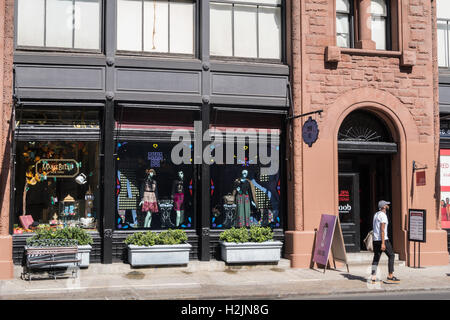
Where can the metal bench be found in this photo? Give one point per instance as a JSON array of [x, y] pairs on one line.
[[55, 260]]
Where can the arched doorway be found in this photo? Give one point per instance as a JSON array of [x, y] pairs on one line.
[[365, 152]]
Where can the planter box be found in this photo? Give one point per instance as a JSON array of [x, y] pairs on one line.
[[251, 252], [83, 255], [159, 255]]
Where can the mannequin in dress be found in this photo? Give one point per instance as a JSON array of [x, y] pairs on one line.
[[149, 197], [178, 198], [245, 194]]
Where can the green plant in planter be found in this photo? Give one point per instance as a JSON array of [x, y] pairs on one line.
[[172, 237], [260, 234], [71, 233], [254, 234], [150, 238], [237, 235], [142, 239]]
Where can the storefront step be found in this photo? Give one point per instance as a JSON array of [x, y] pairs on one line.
[[366, 257]]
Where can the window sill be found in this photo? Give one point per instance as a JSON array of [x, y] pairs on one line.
[[407, 57], [368, 52]]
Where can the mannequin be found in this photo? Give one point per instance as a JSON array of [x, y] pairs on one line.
[[245, 194], [149, 197], [178, 198]]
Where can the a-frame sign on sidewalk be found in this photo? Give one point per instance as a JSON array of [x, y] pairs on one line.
[[329, 238]]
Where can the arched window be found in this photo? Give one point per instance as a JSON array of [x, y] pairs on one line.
[[363, 126]]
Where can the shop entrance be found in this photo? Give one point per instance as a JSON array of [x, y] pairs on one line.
[[363, 181], [365, 160]]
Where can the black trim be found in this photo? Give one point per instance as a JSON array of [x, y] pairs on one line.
[[367, 147]]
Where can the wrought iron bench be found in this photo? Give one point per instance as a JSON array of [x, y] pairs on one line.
[[55, 260]]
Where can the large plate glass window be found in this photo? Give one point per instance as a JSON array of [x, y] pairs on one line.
[[152, 191], [246, 182], [443, 28], [246, 28], [72, 24], [57, 169], [157, 26]]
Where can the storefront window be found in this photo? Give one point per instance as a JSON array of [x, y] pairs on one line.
[[57, 183], [153, 192], [248, 190]]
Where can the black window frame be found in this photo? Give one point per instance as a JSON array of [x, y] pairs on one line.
[[388, 25], [351, 23], [195, 44], [44, 48], [258, 4]]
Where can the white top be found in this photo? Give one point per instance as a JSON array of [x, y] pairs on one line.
[[378, 218]]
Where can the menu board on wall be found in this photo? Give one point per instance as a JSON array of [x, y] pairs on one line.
[[445, 188], [417, 225]]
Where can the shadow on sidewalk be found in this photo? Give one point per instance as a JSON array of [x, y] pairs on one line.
[[352, 277]]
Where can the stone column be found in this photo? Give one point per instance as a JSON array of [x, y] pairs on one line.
[[6, 85], [365, 26]]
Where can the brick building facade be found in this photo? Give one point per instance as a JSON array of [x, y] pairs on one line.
[[398, 87], [389, 93]]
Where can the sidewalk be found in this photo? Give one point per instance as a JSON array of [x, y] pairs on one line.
[[215, 280]]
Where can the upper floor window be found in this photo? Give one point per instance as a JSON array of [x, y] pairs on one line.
[[158, 26], [350, 14], [73, 24], [344, 23], [379, 12], [443, 27], [246, 28]]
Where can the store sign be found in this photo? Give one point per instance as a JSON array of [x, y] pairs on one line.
[[329, 239], [57, 168], [310, 131], [421, 178], [324, 237], [445, 188], [417, 225]]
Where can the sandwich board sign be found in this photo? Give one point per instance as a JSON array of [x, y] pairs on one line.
[[329, 239]]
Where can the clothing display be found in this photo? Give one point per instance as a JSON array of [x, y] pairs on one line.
[[149, 196], [244, 190], [178, 198]]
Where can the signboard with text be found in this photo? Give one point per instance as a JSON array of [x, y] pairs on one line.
[[329, 239], [417, 225], [58, 168]]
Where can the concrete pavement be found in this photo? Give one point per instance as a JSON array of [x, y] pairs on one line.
[[215, 280]]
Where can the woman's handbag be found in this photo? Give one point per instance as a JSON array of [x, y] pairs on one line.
[[368, 241], [228, 199]]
